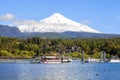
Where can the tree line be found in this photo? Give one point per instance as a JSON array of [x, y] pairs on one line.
[[36, 46]]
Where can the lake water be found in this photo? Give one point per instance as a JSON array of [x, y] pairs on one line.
[[65, 71]]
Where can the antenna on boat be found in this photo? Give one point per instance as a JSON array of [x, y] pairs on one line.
[[104, 59], [102, 56], [82, 56]]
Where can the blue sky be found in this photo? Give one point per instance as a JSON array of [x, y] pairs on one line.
[[102, 15]]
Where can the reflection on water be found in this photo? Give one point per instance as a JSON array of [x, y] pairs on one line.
[[65, 71]]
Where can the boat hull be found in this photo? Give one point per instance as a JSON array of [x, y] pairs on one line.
[[52, 61], [114, 61]]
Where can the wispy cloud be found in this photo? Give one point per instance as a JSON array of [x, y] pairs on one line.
[[7, 16], [118, 17], [109, 27], [25, 22], [97, 18], [15, 22]]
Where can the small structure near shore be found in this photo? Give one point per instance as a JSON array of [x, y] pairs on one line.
[[89, 60], [52, 60], [55, 59]]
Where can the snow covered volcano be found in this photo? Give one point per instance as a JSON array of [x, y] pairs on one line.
[[56, 23]]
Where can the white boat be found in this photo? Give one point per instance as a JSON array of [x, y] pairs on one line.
[[67, 60], [54, 59], [92, 60], [51, 59], [114, 61]]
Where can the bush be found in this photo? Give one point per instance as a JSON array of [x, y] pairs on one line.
[[5, 53]]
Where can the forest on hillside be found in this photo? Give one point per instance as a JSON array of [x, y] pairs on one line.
[[36, 46]]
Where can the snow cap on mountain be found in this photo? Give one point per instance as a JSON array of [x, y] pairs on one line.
[[56, 23]]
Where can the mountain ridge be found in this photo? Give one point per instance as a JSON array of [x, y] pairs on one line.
[[9, 31]]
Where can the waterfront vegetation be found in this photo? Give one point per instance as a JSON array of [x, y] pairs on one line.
[[36, 46]]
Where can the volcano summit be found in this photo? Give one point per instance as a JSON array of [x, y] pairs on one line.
[[56, 23]]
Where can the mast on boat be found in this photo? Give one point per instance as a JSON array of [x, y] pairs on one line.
[[82, 56]]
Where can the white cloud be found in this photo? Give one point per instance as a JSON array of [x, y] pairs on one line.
[[25, 22], [86, 22], [7, 16], [97, 18]]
